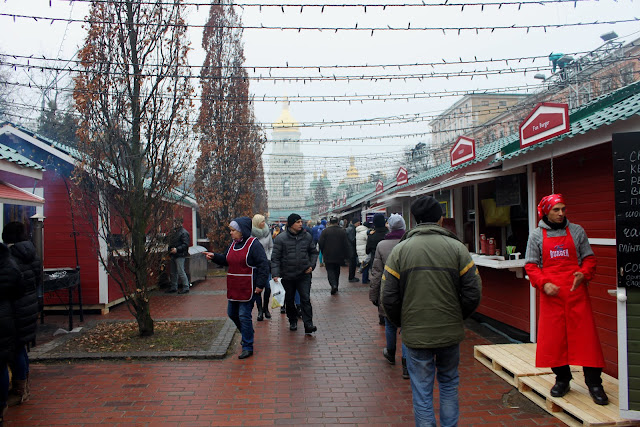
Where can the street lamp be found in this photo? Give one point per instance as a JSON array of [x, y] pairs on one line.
[[540, 76], [609, 36]]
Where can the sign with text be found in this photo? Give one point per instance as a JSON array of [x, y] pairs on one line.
[[626, 174], [402, 176], [545, 121], [463, 151], [379, 187]]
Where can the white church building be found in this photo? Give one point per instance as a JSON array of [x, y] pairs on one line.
[[285, 173]]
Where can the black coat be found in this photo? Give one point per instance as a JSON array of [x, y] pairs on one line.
[[292, 254], [10, 289], [26, 307], [334, 244], [351, 237], [179, 240], [375, 236]]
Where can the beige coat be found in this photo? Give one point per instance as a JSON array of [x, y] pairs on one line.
[[383, 250]]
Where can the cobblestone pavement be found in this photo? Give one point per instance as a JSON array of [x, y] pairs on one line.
[[335, 377]]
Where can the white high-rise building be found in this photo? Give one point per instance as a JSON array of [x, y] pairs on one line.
[[285, 174]]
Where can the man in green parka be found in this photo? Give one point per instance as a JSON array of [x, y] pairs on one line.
[[429, 285]]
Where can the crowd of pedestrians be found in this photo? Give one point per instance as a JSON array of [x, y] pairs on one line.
[[396, 263], [422, 281]]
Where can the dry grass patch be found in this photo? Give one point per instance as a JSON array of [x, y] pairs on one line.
[[124, 337]]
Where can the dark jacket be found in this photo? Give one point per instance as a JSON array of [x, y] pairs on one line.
[[351, 236], [10, 289], [256, 258], [317, 230], [26, 307], [429, 285], [334, 244], [180, 240], [293, 254], [375, 236]]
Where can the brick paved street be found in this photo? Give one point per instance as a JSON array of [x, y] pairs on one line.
[[337, 376]]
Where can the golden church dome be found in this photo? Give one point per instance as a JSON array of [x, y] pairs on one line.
[[352, 172], [285, 122]]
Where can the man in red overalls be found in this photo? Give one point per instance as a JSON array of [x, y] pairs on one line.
[[560, 264]]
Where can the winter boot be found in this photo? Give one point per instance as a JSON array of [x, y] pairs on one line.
[[260, 311], [19, 393], [405, 371], [265, 304]]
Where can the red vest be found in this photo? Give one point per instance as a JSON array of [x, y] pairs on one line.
[[567, 332], [240, 273]]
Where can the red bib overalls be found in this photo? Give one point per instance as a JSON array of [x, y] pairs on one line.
[[240, 274], [567, 332]]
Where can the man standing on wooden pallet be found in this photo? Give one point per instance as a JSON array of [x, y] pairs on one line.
[[560, 260]]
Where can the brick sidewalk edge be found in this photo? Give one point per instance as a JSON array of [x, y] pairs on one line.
[[217, 350]]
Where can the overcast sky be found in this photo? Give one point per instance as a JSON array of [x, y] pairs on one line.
[[481, 37]]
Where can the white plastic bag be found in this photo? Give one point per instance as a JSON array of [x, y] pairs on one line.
[[277, 294]]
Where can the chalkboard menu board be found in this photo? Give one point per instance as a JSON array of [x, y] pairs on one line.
[[626, 171], [508, 190]]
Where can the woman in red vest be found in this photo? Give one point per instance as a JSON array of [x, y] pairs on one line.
[[247, 274], [560, 264]]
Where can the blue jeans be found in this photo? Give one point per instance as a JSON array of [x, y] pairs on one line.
[[240, 313], [391, 333], [177, 271], [422, 364], [21, 363], [365, 274]]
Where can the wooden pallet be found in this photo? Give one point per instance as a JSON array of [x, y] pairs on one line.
[[576, 408], [515, 363], [509, 361]]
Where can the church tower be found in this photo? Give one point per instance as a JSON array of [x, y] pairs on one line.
[[285, 177]]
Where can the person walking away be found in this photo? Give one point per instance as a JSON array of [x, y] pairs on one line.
[[374, 237], [560, 264], [429, 286], [11, 289], [335, 246], [260, 231], [178, 251], [315, 233], [353, 253], [248, 274], [293, 259], [383, 249], [25, 308], [362, 233]]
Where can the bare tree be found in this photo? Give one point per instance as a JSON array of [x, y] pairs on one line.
[[231, 144], [133, 96]]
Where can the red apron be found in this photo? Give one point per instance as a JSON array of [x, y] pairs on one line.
[[567, 332], [240, 274]]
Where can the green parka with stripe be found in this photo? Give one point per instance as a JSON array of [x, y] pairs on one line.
[[430, 284]]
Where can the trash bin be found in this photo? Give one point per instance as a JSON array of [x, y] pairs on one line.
[[196, 264]]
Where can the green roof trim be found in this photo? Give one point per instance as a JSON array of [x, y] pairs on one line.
[[11, 155]]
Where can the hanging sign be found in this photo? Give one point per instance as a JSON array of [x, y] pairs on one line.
[[379, 187], [463, 151], [545, 121], [402, 177], [344, 199]]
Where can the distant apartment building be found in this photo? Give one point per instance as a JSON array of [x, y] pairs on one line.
[[465, 117], [610, 67]]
